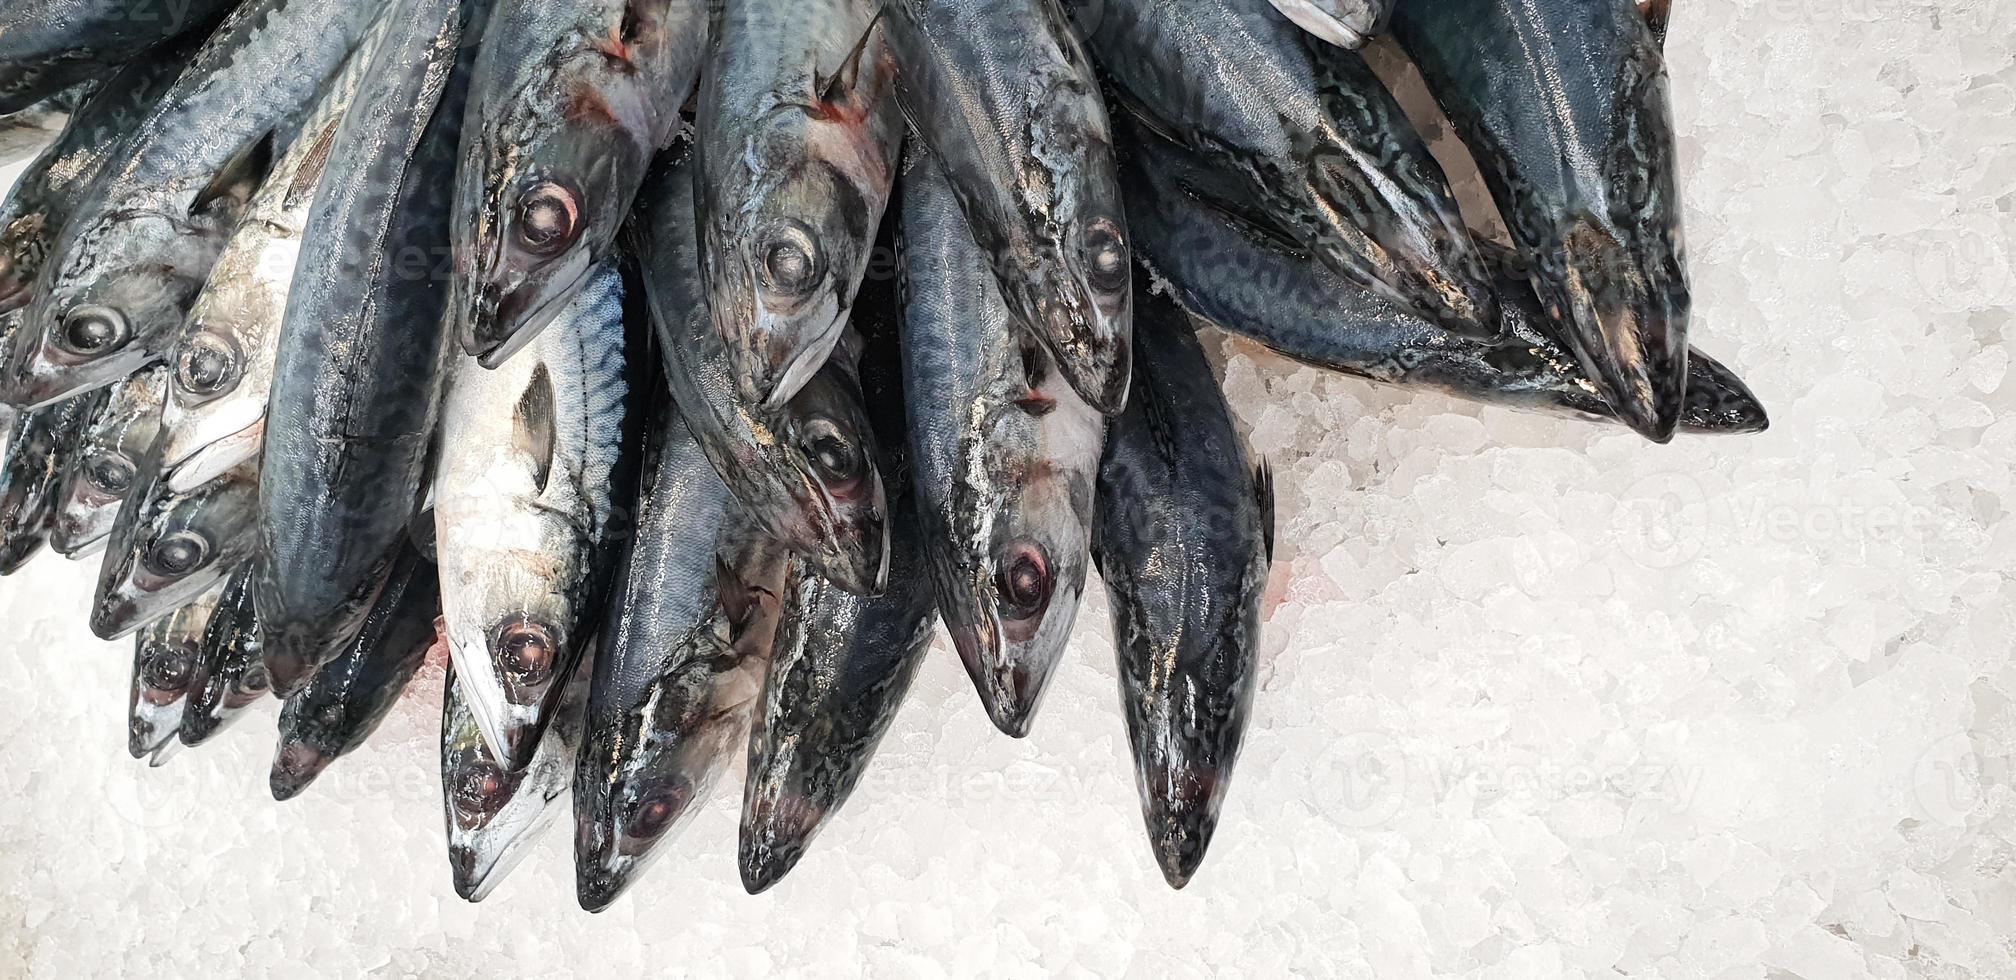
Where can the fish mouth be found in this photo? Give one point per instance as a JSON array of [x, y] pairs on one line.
[[118, 615], [1010, 689], [188, 469], [510, 724], [1093, 352], [774, 380], [601, 871], [474, 875], [1180, 804], [78, 529], [17, 549], [1719, 402], [1628, 330], [296, 764], [776, 829], [149, 731]]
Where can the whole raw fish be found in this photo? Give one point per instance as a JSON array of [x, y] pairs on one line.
[[538, 467], [568, 103], [804, 471], [797, 140], [345, 701], [363, 349], [1005, 97], [680, 660], [1186, 532], [1311, 146], [1564, 104], [1005, 454], [101, 468], [137, 248], [230, 673]]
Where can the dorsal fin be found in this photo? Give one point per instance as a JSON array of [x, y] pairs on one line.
[[532, 425], [837, 86], [308, 176], [1263, 494], [240, 175], [740, 599]]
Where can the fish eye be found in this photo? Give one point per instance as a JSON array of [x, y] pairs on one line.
[[649, 815], [1106, 257], [481, 787], [168, 667], [255, 680], [527, 650], [836, 458], [93, 329], [790, 261], [549, 215], [330, 715], [110, 474], [208, 366], [178, 554], [1022, 579]]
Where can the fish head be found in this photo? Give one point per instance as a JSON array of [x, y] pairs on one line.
[[82, 336], [166, 661], [1016, 562], [209, 399], [514, 662], [98, 481], [175, 546], [780, 816], [642, 772], [314, 731], [840, 498], [785, 265], [1187, 653], [543, 191], [485, 815], [107, 464]]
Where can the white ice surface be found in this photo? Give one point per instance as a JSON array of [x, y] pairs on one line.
[[1540, 699]]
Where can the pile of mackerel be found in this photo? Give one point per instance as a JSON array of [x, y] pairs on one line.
[[673, 367]]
